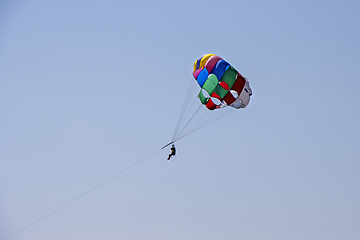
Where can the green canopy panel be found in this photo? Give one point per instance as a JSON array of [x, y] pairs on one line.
[[229, 76], [210, 84], [220, 91], [202, 98]]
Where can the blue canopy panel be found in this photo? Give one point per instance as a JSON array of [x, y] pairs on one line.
[[220, 68], [202, 77]]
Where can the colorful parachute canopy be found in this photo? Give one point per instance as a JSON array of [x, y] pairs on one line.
[[221, 85]]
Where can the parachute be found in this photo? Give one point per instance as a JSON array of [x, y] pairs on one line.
[[221, 87]]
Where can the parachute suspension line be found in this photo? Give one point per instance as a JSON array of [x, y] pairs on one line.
[[205, 122], [198, 116], [182, 114], [182, 111], [192, 112], [187, 123], [215, 116], [186, 109], [201, 117], [195, 116], [184, 120]]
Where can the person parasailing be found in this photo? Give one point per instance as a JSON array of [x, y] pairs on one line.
[[173, 151]]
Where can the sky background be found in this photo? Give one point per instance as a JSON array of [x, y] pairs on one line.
[[89, 88]]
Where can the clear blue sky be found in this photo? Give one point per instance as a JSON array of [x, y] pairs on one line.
[[88, 88]]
